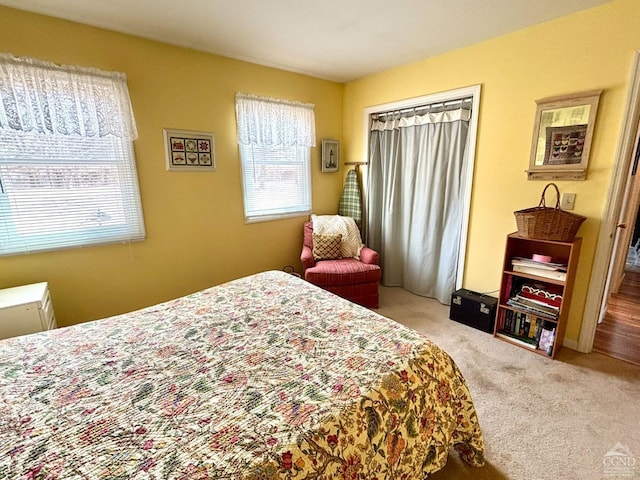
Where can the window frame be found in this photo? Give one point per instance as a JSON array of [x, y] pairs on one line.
[[273, 125], [75, 125], [303, 206], [128, 196]]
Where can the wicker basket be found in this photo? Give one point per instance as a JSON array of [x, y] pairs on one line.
[[548, 223]]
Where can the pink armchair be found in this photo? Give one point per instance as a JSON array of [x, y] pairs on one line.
[[351, 278]]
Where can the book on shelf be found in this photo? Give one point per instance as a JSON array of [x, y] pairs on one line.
[[547, 338], [547, 294], [536, 329], [525, 342], [533, 308], [539, 304], [508, 319], [527, 328], [541, 272], [543, 265]]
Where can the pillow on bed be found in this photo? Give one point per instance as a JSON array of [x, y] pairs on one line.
[[326, 246]]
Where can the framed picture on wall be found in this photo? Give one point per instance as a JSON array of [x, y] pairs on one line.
[[330, 155], [187, 150], [562, 136]]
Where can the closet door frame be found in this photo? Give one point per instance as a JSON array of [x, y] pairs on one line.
[[442, 97]]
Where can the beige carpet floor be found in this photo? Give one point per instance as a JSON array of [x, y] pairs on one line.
[[577, 417]]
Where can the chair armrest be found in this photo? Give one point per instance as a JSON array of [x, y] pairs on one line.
[[306, 257], [368, 255]]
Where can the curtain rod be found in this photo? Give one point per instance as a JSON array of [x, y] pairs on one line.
[[277, 101], [356, 165], [448, 103]]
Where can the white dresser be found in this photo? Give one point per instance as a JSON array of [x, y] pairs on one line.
[[26, 309]]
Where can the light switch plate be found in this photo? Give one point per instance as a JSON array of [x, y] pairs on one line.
[[568, 201]]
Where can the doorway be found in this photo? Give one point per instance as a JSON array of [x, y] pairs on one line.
[[611, 324], [618, 333]]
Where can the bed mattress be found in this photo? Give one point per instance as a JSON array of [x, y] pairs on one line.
[[264, 377]]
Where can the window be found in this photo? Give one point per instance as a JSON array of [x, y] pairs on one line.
[[275, 137], [67, 168]]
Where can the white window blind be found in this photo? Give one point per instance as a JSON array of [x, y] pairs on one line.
[[67, 167], [275, 137]]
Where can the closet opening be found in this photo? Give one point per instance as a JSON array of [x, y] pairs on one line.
[[420, 154]]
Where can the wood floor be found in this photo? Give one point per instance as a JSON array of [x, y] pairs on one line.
[[619, 334]]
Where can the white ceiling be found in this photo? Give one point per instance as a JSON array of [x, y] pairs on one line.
[[339, 40]]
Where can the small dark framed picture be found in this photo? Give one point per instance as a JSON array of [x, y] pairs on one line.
[[330, 155], [187, 150]]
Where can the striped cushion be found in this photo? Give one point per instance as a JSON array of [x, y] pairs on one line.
[[346, 271], [326, 246]]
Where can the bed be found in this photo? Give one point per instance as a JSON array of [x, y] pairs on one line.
[[264, 377]]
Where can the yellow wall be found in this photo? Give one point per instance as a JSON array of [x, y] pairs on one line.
[[195, 228], [196, 235], [589, 50]]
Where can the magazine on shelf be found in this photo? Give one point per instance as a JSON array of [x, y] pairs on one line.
[[533, 306], [541, 272], [537, 304], [528, 262], [532, 310]]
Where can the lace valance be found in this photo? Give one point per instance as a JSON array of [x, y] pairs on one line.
[[43, 97], [269, 121]]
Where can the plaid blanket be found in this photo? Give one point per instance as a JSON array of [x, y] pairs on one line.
[[350, 203]]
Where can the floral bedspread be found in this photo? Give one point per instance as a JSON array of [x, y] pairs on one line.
[[265, 377]]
